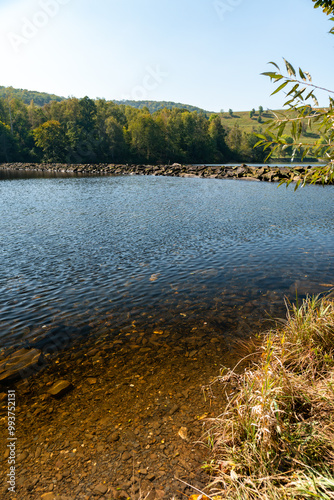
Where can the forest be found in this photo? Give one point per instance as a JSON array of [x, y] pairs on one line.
[[98, 131]]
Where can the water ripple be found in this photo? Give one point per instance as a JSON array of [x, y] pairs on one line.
[[146, 250]]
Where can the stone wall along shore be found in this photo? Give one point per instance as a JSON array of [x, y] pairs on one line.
[[246, 172]]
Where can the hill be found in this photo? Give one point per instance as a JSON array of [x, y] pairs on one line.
[[39, 98], [245, 121], [257, 123], [158, 105]]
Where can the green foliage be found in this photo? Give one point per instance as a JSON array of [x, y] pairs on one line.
[[299, 115], [154, 106], [326, 5], [99, 131], [39, 98], [8, 144], [50, 137]]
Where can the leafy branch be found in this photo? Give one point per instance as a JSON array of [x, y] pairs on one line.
[[299, 113]]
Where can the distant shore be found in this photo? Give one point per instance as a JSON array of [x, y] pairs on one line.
[[245, 172]]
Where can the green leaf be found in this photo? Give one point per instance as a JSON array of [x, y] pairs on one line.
[[299, 94], [261, 136], [290, 69], [302, 76], [281, 129], [315, 100], [309, 95], [274, 64], [271, 74], [308, 76], [258, 144], [280, 88], [297, 184], [294, 88], [287, 103]]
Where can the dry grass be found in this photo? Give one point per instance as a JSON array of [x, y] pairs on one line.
[[275, 439]]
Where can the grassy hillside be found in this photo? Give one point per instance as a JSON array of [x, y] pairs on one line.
[[243, 120], [258, 124]]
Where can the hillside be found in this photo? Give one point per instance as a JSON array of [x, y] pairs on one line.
[[158, 105], [39, 98], [235, 123], [243, 120], [258, 124]]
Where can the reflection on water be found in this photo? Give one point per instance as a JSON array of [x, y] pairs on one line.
[[111, 255]]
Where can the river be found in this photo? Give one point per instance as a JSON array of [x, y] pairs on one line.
[[105, 256]]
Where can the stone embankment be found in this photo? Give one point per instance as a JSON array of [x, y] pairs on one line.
[[246, 172]]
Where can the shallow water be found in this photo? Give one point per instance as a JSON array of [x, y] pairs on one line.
[[113, 255]]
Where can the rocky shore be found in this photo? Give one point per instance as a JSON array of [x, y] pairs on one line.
[[246, 172]]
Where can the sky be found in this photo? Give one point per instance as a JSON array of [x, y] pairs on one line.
[[208, 53]]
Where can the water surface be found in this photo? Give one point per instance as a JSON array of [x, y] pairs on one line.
[[114, 255]]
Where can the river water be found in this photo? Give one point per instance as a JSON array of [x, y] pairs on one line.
[[107, 256]]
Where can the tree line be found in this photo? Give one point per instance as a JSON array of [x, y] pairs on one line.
[[99, 131]]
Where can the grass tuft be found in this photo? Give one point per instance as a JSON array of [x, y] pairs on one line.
[[275, 439]]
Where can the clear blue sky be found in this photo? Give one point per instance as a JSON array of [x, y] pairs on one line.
[[208, 53]]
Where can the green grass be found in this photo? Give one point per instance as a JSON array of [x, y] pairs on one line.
[[249, 125], [275, 438], [244, 122]]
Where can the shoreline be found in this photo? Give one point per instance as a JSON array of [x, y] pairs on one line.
[[244, 172]]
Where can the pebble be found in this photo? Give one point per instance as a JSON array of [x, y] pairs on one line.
[[92, 381], [48, 496], [183, 433], [126, 456], [22, 456], [100, 489], [60, 388], [113, 437]]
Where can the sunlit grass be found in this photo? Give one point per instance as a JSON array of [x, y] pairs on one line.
[[275, 439]]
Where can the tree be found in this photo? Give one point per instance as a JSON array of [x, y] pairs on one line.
[[50, 137], [300, 90], [146, 138], [234, 139], [252, 113], [230, 112], [220, 150], [260, 110], [8, 144]]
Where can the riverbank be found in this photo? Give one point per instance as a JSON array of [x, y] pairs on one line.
[[275, 437], [246, 172]]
